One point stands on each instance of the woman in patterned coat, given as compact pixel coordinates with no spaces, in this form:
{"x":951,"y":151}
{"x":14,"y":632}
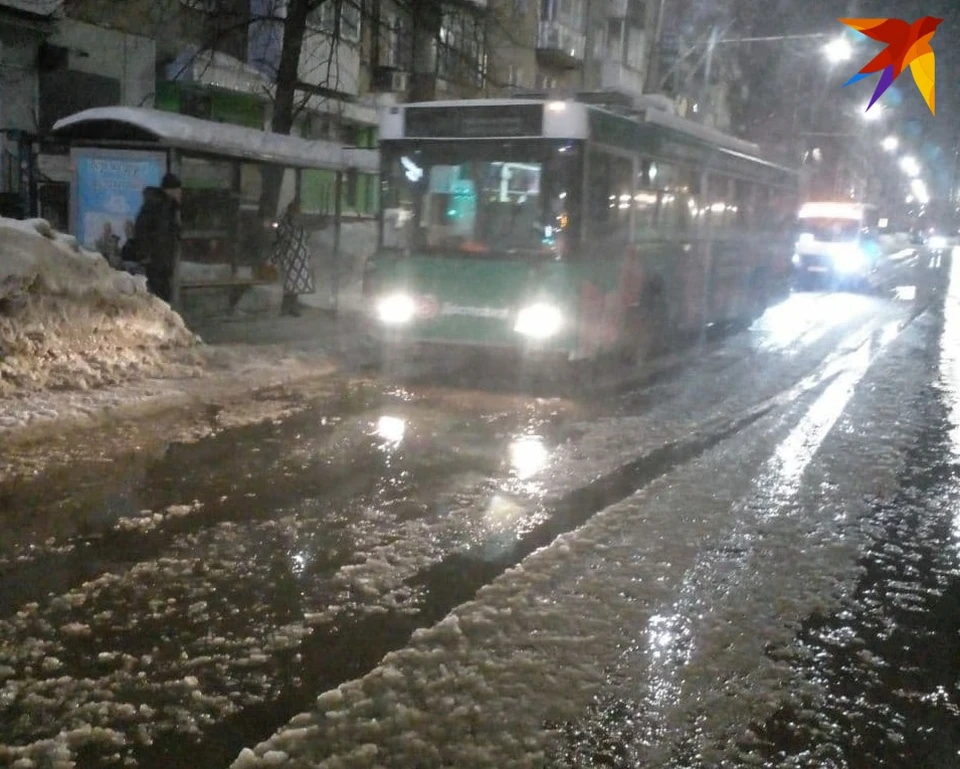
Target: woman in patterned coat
{"x":292,"y":258}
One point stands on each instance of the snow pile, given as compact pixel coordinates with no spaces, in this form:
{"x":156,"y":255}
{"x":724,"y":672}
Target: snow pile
{"x":68,"y":320}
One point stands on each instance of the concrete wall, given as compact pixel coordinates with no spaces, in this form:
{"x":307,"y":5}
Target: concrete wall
{"x":130,"y":59}
{"x":18,"y":78}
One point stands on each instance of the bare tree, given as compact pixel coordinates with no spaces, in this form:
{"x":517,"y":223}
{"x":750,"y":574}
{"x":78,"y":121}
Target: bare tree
{"x":295,"y":76}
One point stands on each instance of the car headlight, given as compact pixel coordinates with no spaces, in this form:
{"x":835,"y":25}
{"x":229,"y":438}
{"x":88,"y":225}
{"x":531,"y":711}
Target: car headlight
{"x":539,"y":321}
{"x":849,"y":259}
{"x":796,"y":260}
{"x":396,"y":309}
{"x":937,"y":242}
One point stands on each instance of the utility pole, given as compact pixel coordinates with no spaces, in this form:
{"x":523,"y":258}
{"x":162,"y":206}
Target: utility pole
{"x":652,"y":84}
{"x":708,"y":71}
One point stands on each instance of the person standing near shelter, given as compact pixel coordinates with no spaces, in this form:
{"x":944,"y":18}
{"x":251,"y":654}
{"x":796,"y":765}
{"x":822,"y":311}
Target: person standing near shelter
{"x":157,"y":235}
{"x":292,"y":257}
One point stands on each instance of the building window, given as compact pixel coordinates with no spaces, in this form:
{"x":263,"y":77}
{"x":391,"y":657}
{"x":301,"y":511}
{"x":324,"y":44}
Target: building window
{"x":547,"y":83}
{"x":599,"y":41}
{"x":396,"y":40}
{"x":567,"y":12}
{"x":636,"y":48}
{"x":637,"y":12}
{"x":614,"y":50}
{"x":325,"y":19}
{"x":462,"y":55}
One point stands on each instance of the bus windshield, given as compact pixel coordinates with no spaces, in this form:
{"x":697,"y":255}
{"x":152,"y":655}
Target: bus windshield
{"x":830,"y":230}
{"x":481,"y":197}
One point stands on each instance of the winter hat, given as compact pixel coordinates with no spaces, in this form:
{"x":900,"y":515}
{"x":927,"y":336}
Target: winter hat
{"x":170,"y":182}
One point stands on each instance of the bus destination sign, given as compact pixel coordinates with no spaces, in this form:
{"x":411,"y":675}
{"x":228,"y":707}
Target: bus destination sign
{"x":474,"y":122}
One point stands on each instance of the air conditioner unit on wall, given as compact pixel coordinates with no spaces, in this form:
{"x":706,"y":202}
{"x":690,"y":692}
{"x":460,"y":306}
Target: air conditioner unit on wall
{"x":398,"y":82}
{"x":389,"y":80}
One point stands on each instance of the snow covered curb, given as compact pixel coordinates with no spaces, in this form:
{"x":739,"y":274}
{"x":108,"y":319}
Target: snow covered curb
{"x":68,"y":321}
{"x":213,"y":376}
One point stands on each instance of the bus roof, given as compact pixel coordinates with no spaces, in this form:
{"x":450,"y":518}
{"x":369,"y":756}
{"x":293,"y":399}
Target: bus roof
{"x":559,"y":119}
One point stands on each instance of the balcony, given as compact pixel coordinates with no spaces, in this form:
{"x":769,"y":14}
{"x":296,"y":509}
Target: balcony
{"x":559,"y":45}
{"x":615,"y":76}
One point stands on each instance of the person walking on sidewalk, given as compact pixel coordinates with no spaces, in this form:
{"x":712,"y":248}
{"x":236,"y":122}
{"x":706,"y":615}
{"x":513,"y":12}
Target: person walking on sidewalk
{"x":157,"y":235}
{"x":291,"y":257}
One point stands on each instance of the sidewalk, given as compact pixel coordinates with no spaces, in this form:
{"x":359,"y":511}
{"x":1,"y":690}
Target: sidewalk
{"x":239,"y":358}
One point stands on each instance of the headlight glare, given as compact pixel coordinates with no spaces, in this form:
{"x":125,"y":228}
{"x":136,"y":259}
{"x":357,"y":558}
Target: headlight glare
{"x":539,"y":321}
{"x":849,"y":259}
{"x":937,"y":242}
{"x":396,"y":309}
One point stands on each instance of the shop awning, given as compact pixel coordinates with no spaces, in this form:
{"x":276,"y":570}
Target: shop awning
{"x":169,"y":129}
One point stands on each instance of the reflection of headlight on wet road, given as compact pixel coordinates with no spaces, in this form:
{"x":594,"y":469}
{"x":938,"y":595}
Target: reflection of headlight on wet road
{"x":391,"y":429}
{"x":849,"y":259}
{"x":528,"y":456}
{"x":539,"y":321}
{"x":396,"y":309}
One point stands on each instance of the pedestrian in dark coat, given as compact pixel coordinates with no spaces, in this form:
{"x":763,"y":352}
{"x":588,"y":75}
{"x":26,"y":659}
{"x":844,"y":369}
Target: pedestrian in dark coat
{"x":156,"y":234}
{"x":291,"y":257}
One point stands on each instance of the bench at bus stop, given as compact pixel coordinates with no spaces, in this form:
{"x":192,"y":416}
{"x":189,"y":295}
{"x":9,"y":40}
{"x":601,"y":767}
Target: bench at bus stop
{"x":235,"y":286}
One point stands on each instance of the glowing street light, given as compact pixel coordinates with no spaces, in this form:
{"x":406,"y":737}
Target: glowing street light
{"x":838,"y":50}
{"x":891,"y":143}
{"x":919,"y":190}
{"x":910,"y":166}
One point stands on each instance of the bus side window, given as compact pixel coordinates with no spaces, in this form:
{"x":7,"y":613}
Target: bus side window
{"x":687,"y":185}
{"x":645,"y":199}
{"x":609,"y":196}
{"x":743,"y":201}
{"x":763,"y":215}
{"x":658,"y":200}
{"x":716,"y":203}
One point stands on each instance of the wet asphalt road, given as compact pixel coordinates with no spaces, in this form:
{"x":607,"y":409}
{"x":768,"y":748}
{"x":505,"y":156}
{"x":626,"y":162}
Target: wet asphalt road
{"x":168,"y":611}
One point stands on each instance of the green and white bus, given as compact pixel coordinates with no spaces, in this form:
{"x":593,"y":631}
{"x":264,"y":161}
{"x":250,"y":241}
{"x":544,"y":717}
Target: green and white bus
{"x":569,"y":229}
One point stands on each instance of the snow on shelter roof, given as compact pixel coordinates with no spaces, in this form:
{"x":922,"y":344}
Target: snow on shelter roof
{"x":33,"y":7}
{"x":189,"y":133}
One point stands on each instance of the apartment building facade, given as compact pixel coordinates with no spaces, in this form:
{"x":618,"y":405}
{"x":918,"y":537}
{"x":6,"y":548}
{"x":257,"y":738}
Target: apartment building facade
{"x":218,"y":60}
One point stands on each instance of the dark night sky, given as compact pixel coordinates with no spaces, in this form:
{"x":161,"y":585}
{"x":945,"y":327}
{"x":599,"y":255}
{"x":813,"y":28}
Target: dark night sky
{"x":934,"y":138}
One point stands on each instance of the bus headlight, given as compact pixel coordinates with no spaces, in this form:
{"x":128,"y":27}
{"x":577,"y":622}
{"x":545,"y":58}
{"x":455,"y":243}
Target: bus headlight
{"x":539,"y":321}
{"x":396,"y":309}
{"x":849,"y":259}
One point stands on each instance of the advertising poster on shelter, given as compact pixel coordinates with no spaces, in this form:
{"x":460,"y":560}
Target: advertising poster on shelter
{"x":108,"y":193}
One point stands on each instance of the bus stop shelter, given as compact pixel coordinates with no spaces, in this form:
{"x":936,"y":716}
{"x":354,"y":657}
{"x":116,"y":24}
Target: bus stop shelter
{"x":118,"y":151}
